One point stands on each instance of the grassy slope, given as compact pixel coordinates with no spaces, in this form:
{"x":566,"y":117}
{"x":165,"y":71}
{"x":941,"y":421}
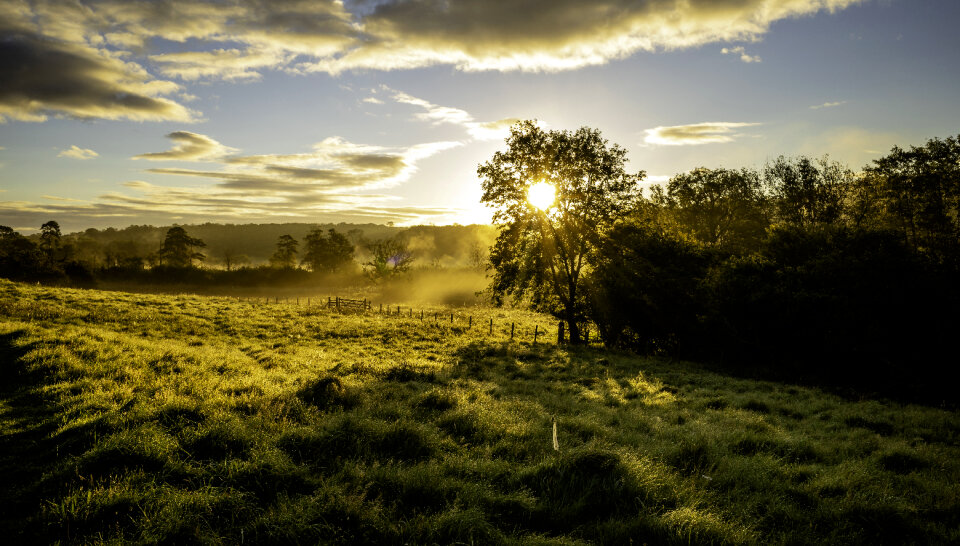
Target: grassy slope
{"x":186,"y":419}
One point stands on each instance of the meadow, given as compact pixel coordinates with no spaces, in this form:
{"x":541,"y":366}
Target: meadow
{"x":151,"y":418}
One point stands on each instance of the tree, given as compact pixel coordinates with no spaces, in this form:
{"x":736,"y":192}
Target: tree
{"x":51,"y":244}
{"x":178,"y":249}
{"x":544,"y":253}
{"x":232,"y":258}
{"x":720,"y":207}
{"x":646,"y":287}
{"x":329,"y":253}
{"x":389,"y":257}
{"x":286,"y":255}
{"x":918,"y":192}
{"x":20,"y":258}
{"x":478,"y":256}
{"x":808,"y":193}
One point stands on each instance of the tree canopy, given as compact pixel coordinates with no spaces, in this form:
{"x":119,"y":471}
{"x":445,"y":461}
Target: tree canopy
{"x":330,"y":253}
{"x":179,"y":248}
{"x":388,"y":257}
{"x":545,"y":254}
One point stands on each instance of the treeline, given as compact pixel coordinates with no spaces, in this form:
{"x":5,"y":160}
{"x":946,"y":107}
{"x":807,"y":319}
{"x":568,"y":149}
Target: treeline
{"x":802,"y":269}
{"x":253,"y":254}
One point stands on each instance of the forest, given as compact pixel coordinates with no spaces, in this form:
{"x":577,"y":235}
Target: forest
{"x":802,"y":269}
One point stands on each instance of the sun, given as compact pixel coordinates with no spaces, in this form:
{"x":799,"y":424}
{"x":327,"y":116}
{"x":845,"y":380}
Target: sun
{"x":541,"y":195}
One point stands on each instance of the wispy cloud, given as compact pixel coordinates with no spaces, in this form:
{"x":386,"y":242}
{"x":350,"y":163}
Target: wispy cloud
{"x":436,"y":114}
{"x":697,"y":133}
{"x":189,"y":147}
{"x":222,"y":64}
{"x":744,"y":56}
{"x":76,"y":152}
{"x":828,"y":105}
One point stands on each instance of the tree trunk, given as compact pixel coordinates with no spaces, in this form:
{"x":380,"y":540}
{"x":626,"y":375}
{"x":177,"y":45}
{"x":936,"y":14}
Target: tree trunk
{"x":574,"y":328}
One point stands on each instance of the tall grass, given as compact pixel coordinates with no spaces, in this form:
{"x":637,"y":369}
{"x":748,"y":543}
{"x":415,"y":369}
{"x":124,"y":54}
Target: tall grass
{"x":182,"y":419}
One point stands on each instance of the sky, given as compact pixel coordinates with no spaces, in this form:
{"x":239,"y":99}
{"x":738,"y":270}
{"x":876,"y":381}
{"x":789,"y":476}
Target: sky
{"x":121,"y":112}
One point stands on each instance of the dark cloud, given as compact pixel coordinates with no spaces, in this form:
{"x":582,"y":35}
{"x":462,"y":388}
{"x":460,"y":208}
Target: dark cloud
{"x":43,"y":77}
{"x":552,"y":34}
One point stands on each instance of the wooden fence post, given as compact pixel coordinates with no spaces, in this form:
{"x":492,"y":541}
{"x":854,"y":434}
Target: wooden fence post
{"x":512,"y":325}
{"x":560,"y":333}
{"x":451,"y":318}
{"x":536,"y":330}
{"x":491,"y":327}
{"x":470,"y":325}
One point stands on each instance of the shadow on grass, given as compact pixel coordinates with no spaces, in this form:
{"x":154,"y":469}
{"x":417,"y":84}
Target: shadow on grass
{"x":27,"y":421}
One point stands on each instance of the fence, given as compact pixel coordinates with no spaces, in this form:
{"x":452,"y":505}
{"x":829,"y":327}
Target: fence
{"x":465,"y":321}
{"x":344,"y":304}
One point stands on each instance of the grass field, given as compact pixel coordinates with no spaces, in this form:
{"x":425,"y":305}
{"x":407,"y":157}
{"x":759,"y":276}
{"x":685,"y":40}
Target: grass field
{"x":185,"y":419}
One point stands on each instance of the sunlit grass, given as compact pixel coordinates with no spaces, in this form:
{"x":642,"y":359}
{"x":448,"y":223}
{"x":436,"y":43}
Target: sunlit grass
{"x":155,"y":418}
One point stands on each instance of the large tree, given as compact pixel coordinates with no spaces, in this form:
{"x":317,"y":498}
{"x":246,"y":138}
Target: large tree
{"x":543,"y":250}
{"x":179,"y":248}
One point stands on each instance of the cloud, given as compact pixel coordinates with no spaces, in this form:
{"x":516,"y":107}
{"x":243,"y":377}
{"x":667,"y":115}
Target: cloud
{"x":490,"y":130}
{"x":336,"y":180}
{"x":828,"y":105}
{"x":739,"y":50}
{"x":44,"y":77}
{"x":76,"y":152}
{"x":160,"y":206}
{"x":223,"y":64}
{"x":92,"y":59}
{"x":334,"y":164}
{"x":372,"y":100}
{"x":697,"y":133}
{"x":551,"y":35}
{"x":189,"y":147}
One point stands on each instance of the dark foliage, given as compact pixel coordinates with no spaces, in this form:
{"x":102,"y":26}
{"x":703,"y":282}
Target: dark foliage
{"x":855,"y":285}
